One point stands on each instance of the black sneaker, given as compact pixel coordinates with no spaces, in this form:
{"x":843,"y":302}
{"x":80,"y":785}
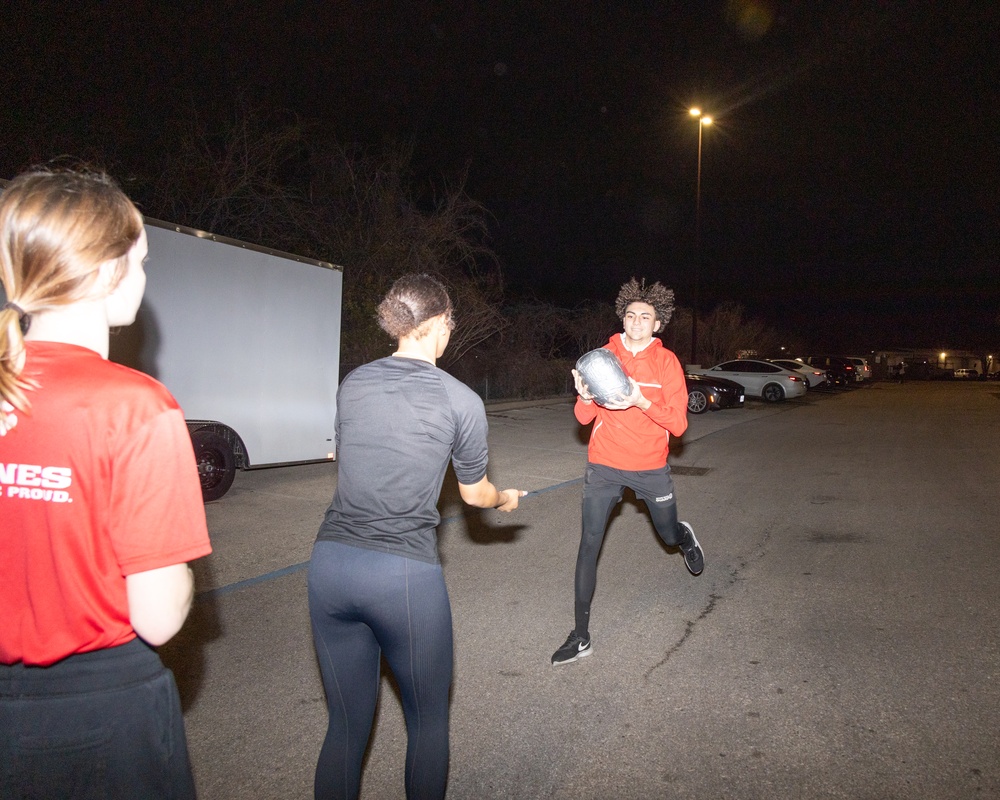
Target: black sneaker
{"x":574,"y":648}
{"x":694,"y":556}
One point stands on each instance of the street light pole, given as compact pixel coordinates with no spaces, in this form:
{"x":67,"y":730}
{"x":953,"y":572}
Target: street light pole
{"x":702,"y":122}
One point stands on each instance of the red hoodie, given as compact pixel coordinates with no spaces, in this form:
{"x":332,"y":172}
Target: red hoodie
{"x":634,"y":439}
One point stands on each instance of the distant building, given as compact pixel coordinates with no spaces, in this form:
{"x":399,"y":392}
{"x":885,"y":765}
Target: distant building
{"x":928,"y":363}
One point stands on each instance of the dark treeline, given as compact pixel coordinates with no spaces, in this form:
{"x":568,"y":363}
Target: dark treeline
{"x":287,"y":185}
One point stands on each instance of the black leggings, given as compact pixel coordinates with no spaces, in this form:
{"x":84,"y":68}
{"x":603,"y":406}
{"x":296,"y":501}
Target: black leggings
{"x":602,"y":491}
{"x":364,"y":603}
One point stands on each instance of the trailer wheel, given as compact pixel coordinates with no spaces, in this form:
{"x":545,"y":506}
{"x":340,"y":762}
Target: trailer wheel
{"x":216,"y":463}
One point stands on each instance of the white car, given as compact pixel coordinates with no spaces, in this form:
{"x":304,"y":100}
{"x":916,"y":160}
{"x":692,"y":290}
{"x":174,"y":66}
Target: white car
{"x":862,"y":370}
{"x":760,"y":378}
{"x":814,"y":375}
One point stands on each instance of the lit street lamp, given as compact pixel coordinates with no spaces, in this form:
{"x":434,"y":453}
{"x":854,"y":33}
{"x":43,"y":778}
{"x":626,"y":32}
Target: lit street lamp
{"x":703,"y":120}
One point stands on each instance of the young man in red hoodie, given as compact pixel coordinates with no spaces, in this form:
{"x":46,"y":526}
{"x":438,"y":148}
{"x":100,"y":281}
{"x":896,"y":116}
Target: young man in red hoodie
{"x":629,"y":446}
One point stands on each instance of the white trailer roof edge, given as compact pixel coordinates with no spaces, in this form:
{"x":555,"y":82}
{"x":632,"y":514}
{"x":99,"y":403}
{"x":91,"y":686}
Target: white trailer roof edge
{"x":214,"y":237}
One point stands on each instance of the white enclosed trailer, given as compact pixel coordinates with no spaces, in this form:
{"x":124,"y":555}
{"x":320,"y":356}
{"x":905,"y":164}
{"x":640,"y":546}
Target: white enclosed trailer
{"x":248,"y":341}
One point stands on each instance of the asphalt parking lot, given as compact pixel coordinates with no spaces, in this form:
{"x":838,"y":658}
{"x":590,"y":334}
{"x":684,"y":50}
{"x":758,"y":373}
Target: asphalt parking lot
{"x":843,"y":641}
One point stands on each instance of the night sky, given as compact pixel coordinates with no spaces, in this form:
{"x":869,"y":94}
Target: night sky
{"x":848,"y":186}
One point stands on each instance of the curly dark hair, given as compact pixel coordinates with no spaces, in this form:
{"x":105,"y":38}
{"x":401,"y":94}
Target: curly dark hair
{"x":412,"y":300}
{"x":657,"y":295}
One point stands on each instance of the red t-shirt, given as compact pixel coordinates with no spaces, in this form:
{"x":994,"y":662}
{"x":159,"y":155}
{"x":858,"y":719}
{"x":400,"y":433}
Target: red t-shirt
{"x":97,"y":481}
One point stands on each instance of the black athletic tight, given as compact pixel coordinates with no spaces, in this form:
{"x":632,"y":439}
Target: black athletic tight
{"x":602,"y":490}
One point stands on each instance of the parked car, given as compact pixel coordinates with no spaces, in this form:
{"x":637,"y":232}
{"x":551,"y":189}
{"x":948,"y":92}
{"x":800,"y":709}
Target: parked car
{"x":711,"y":393}
{"x":842,"y":371}
{"x":967,"y":373}
{"x":759,"y":378}
{"x":814,"y":376}
{"x":864,"y":370}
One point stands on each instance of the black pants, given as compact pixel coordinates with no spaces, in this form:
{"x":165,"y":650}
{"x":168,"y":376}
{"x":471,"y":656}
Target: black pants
{"x":105,"y":724}
{"x":365,"y":603}
{"x":602,"y":491}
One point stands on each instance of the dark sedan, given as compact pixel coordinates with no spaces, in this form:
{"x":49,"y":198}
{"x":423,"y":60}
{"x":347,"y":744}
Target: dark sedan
{"x":708,"y":393}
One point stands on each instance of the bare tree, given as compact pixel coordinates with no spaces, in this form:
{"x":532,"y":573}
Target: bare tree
{"x":591,"y":324}
{"x":277,"y":183}
{"x":379,"y":231}
{"x":239,"y":181}
{"x":530,"y":357}
{"x":726,"y":331}
{"x":677,"y":335}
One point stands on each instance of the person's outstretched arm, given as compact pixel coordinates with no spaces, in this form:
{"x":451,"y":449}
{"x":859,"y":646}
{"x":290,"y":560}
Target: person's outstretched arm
{"x":485,"y":495}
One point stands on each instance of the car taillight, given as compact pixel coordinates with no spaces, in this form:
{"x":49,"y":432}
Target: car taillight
{"x":794,"y":378}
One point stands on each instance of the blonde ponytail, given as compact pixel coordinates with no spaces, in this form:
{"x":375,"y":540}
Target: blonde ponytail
{"x":56,"y":229}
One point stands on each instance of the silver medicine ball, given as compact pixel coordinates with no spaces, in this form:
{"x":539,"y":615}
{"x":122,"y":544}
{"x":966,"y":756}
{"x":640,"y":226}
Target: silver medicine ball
{"x":604,"y":375}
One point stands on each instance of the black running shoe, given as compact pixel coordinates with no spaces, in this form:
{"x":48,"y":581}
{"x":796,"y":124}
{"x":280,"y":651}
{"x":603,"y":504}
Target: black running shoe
{"x":574,"y":648}
{"x":694,"y":556}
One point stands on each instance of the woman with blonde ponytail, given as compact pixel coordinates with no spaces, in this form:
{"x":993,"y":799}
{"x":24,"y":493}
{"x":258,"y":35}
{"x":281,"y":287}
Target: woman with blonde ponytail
{"x":100,"y":506}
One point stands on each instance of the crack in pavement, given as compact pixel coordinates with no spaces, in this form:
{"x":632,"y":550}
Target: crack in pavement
{"x":688,"y":630}
{"x":713,"y":599}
